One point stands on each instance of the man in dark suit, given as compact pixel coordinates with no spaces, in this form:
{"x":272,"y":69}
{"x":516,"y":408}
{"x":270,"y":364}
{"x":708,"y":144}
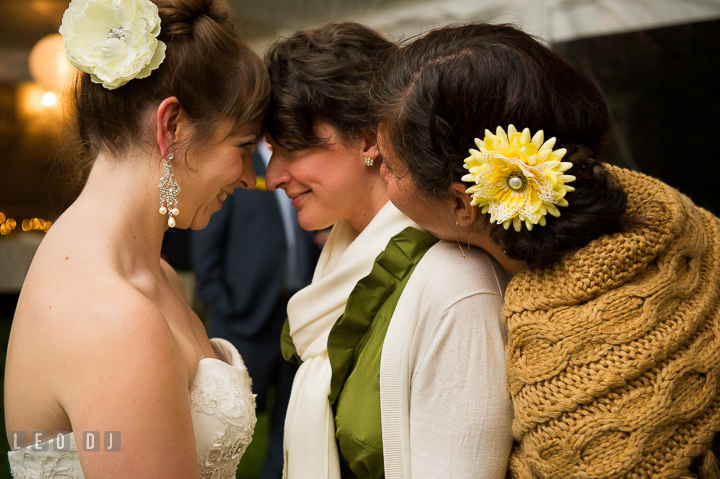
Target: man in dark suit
{"x":249,"y":260}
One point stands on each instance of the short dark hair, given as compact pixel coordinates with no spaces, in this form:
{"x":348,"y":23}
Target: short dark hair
{"x":323,"y":74}
{"x":207,"y":68}
{"x":443,"y":90}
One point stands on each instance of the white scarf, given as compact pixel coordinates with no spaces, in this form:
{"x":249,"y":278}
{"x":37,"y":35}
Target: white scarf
{"x":310,"y":447}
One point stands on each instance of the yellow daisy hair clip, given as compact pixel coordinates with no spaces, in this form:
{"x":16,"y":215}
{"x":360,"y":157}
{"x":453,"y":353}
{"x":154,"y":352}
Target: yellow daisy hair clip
{"x":518,"y":179}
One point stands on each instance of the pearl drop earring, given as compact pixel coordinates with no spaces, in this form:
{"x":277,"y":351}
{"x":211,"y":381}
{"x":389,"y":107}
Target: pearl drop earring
{"x":169,"y":190}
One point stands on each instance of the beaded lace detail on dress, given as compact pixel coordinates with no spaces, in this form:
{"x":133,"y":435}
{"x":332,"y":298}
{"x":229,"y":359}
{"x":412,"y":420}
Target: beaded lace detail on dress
{"x":52,"y":466}
{"x":228,"y":400}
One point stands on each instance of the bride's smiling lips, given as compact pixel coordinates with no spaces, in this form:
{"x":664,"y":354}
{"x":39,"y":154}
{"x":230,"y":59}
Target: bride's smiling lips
{"x":298,"y":197}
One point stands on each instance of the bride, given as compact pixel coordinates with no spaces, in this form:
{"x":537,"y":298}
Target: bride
{"x":109,"y":372}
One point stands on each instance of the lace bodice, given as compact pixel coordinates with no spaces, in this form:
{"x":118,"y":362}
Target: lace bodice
{"x":223,"y":415}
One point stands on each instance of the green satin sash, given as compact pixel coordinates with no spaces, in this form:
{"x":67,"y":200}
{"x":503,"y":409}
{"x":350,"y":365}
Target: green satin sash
{"x":355,"y":346}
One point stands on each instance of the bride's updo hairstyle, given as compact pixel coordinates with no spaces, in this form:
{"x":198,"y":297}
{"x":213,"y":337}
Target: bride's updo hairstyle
{"x":443,"y":90}
{"x":213,"y":75}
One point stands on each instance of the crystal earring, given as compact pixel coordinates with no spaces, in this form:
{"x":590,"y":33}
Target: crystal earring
{"x":169,"y":190}
{"x":369,"y":161}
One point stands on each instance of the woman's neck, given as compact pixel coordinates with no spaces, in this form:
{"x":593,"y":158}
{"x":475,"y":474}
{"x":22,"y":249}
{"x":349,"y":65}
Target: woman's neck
{"x":369,"y":205}
{"x":121,"y":200}
{"x":482,"y":240}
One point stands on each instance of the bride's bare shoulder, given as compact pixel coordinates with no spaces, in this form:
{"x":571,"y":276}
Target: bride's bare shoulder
{"x":86,"y":307}
{"x":75,"y":303}
{"x":93,"y":329}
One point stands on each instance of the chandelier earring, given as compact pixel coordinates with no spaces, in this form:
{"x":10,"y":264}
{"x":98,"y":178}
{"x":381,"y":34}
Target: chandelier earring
{"x":369,"y":161}
{"x":169,"y":190}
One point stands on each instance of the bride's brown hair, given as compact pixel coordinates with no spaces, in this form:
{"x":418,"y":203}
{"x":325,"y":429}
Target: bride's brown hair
{"x":207,"y":68}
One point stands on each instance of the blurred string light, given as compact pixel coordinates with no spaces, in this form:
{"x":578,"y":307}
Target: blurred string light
{"x":34,"y":224}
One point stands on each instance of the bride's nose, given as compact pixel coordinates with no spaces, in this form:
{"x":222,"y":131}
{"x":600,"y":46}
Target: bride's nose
{"x":247,"y":178}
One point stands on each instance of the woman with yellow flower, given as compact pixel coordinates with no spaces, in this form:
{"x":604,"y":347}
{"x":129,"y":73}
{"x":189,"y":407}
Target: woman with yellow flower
{"x":613,"y":357}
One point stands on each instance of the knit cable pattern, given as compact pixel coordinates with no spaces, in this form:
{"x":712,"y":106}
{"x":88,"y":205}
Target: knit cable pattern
{"x":613,"y":358}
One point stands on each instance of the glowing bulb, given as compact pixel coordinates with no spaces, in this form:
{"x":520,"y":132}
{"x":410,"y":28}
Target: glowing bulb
{"x":49,"y":99}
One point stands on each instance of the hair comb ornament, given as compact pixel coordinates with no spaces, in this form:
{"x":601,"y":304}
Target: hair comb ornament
{"x":517,"y":179}
{"x":115,"y":41}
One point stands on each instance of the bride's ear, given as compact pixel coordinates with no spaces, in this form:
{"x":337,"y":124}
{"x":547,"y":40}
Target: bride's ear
{"x":465,"y":213}
{"x":170,"y":124}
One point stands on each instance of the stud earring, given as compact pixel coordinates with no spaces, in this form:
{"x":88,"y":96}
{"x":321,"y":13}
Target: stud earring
{"x":369,"y":161}
{"x":169,"y":190}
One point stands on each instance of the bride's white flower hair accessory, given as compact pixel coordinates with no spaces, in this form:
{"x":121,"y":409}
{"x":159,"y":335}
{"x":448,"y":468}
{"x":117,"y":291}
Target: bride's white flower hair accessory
{"x":115,"y":41}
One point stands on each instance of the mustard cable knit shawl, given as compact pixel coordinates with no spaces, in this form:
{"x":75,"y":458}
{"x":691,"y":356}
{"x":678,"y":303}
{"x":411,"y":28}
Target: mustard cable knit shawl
{"x":613,"y":359}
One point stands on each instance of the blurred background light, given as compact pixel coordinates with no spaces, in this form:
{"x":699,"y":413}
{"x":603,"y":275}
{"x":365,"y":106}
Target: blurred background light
{"x":49,"y":99}
{"x":48,"y":64}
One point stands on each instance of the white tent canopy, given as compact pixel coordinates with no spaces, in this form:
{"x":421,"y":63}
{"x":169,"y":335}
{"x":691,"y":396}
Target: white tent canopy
{"x":553,"y":20}
{"x":264,"y":20}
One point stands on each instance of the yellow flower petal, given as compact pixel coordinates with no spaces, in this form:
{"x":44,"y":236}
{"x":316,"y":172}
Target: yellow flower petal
{"x":557,"y":154}
{"x":548,"y":144}
{"x":552,"y":210}
{"x":564,"y":166}
{"x":538,"y":139}
{"x":526,"y":136}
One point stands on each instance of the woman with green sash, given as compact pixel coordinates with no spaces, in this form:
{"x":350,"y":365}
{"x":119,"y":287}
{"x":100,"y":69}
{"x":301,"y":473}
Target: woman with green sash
{"x":613,"y":357}
{"x":401,"y":357}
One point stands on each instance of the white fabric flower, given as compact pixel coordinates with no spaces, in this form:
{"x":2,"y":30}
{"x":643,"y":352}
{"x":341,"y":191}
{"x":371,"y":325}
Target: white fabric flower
{"x":114,"y":41}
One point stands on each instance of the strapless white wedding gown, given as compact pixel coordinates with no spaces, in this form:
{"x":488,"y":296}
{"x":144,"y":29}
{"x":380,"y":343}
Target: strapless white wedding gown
{"x":223,"y":415}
